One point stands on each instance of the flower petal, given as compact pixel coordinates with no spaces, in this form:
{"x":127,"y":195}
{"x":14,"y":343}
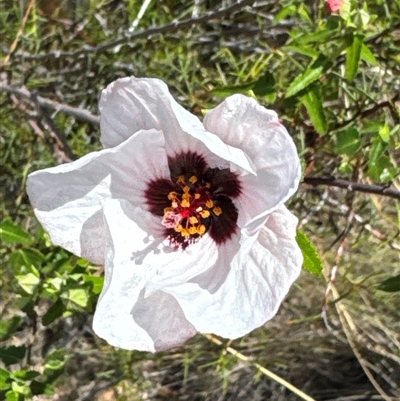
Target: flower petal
{"x":131,"y":104}
{"x":241,"y":122}
{"x":67,"y":199}
{"x":249,"y":292}
{"x":134,"y":310}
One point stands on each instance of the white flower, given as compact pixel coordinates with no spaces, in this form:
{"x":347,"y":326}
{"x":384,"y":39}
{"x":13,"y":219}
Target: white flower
{"x":188,"y":219}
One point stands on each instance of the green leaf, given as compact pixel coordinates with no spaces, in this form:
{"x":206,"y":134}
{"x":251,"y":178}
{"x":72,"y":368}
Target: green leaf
{"x":13,"y":396}
{"x":314,"y":72}
{"x":12,"y":354}
{"x":96,"y":281}
{"x":4,"y":379}
{"x":76,"y":298}
{"x":380,"y":167}
{"x":55,"y":311}
{"x":384,"y":133}
{"x":28,"y":282}
{"x":312,"y":100}
{"x":41,"y":388}
{"x":353,"y":54}
{"x":368,"y":56}
{"x":312,"y":261}
{"x":26,"y":257}
{"x":13,"y":234}
{"x":392,"y":284}
{"x":348,"y":141}
{"x":8,"y":327}
{"x":26,"y":374}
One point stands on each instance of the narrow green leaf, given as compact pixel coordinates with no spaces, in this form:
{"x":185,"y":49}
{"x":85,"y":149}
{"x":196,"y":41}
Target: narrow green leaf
{"x":312,"y":100}
{"x":312,"y":260}
{"x":392,"y":284}
{"x":12,"y":354}
{"x":368,"y":56}
{"x":314,"y":72}
{"x":348,"y":141}
{"x":353,"y":55}
{"x":55,"y":311}
{"x":384,"y":133}
{"x":8,"y":327}
{"x":14,"y":234}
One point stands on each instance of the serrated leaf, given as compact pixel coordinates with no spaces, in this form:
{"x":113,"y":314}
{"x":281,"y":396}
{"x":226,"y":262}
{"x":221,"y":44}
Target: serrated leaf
{"x":314,"y":72}
{"x":312,"y":100}
{"x":353,"y":54}
{"x":8,"y":327}
{"x":55,"y":311}
{"x":14,"y":234}
{"x":392,"y":284}
{"x":12,"y":354}
{"x":348,"y":141}
{"x":312,"y":261}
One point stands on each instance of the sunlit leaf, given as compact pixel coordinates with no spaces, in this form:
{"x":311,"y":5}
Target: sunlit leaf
{"x":314,"y":72}
{"x":353,"y":54}
{"x":312,"y":260}
{"x":28,"y":282}
{"x":312,"y":100}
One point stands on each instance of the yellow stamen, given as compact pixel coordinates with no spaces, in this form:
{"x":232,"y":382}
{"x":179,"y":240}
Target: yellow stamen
{"x":201,"y":229}
{"x":217,"y":210}
{"x":172,"y":195}
{"x":185,"y":203}
{"x":174,"y":204}
{"x":178,"y":228}
{"x":192,"y":230}
{"x":193,"y":179}
{"x":186,"y":197}
{"x":204,"y":214}
{"x":181,"y":180}
{"x":196,"y":196}
{"x":208,"y":185}
{"x":193,"y":220}
{"x":210,"y":203}
{"x":168,"y":209}
{"x":186,"y":189}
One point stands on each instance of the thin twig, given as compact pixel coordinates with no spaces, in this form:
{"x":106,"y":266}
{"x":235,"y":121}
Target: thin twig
{"x":384,"y":190}
{"x":263,"y":370}
{"x":79,"y":114}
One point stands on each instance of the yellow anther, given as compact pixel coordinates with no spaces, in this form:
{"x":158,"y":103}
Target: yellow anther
{"x":186,"y":189}
{"x":174,"y":204}
{"x":181,"y":180}
{"x":172,"y":195}
{"x":193,"y":220}
{"x":185,"y":232}
{"x":193,"y":179}
{"x":192,"y":230}
{"x":217,"y":210}
{"x":210,"y":203}
{"x":201,"y":229}
{"x":168,"y":209}
{"x":208,"y":185}
{"x":178,"y":228}
{"x":196,"y":196}
{"x":185,"y":203}
{"x":186,"y":197}
{"x":204,"y":214}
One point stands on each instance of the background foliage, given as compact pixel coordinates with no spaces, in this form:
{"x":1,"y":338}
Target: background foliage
{"x":334,"y":81}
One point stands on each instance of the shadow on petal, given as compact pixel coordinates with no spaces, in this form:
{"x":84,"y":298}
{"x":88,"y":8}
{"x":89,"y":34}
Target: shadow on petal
{"x":163,"y":319}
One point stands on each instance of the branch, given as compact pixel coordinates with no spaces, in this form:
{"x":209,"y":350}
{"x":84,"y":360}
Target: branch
{"x":144,"y":34}
{"x":384,"y":189}
{"x":78,"y":113}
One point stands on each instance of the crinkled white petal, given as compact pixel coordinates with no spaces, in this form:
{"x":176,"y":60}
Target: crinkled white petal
{"x":241,"y":122}
{"x":251,"y":290}
{"x":131,"y":104}
{"x":67,"y":199}
{"x":135,"y":310}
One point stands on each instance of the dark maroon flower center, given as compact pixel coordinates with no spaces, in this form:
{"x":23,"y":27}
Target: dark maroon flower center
{"x":196,"y":200}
